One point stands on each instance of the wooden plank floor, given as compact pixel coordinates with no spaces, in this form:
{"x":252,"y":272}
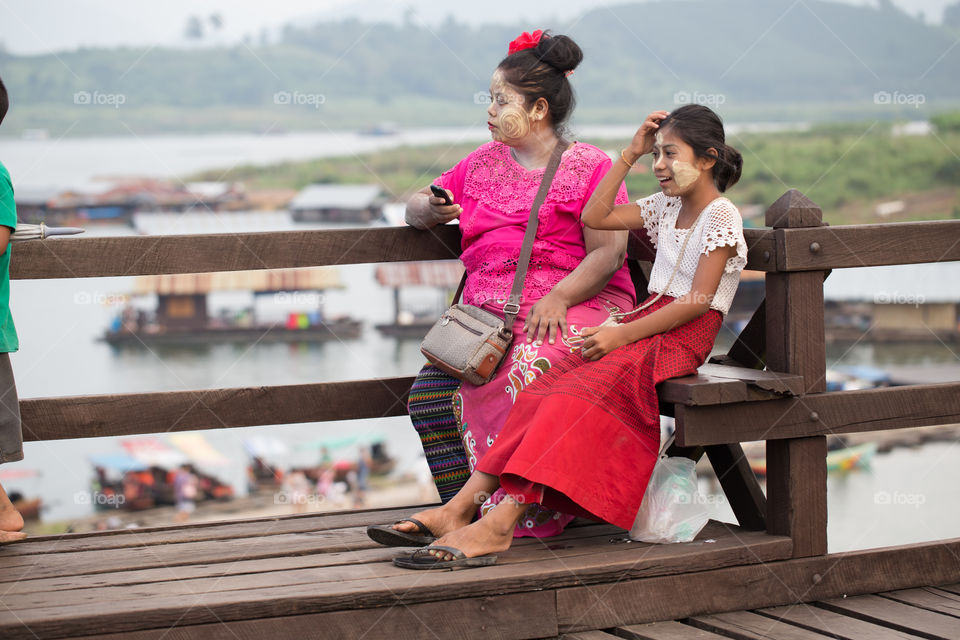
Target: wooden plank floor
{"x":290,"y":576}
{"x":925,"y":612}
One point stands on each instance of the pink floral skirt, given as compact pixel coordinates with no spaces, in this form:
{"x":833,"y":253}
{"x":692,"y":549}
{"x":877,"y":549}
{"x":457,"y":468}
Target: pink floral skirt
{"x":481,"y":411}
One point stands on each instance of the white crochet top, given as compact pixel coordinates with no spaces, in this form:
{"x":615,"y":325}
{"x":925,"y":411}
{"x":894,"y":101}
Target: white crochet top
{"x":719,"y":226}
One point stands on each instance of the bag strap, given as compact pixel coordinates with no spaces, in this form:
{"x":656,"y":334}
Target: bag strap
{"x":463,"y":283}
{"x":512,"y":306}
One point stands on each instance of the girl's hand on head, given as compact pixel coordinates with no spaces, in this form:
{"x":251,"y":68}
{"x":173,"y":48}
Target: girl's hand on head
{"x":599,"y":341}
{"x":443,"y":213}
{"x":645,"y":136}
{"x":547,"y":318}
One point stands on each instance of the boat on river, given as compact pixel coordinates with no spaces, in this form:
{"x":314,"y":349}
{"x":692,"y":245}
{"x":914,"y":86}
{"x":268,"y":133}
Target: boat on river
{"x":839,"y":460}
{"x":182,"y":313}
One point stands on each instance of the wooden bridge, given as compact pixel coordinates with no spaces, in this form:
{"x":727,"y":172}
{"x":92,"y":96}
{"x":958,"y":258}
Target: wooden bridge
{"x":319,"y":575}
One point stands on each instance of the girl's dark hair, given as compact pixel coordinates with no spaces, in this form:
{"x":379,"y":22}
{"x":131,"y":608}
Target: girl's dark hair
{"x":4,"y":101}
{"x":702,"y":129}
{"x":541,"y":72}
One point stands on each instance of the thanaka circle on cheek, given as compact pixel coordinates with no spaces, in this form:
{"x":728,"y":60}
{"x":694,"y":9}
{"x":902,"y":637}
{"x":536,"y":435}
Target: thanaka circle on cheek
{"x":684,"y":173}
{"x":513,"y":122}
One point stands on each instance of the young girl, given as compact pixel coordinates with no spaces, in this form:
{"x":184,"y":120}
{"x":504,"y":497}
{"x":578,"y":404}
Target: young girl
{"x":584,"y":438}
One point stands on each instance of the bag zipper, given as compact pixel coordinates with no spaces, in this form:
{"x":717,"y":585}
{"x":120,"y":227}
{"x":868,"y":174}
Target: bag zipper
{"x":470,"y":329}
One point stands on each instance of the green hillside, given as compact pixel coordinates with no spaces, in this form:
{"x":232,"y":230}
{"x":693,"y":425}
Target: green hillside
{"x":757,"y":59}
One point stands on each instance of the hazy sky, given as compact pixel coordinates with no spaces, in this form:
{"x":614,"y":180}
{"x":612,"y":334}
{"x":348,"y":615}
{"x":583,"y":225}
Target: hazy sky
{"x":42,"y":26}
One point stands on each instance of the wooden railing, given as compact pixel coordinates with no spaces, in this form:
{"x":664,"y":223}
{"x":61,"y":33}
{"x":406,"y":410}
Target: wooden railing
{"x":786,"y":334}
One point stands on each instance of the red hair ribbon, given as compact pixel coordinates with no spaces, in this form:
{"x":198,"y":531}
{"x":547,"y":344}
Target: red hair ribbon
{"x":525,"y":41}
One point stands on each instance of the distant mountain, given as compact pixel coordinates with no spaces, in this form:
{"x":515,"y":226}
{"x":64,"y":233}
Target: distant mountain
{"x":782,"y":58}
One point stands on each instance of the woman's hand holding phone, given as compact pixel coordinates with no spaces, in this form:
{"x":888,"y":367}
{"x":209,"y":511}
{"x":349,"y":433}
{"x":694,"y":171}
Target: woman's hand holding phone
{"x":442,"y":206}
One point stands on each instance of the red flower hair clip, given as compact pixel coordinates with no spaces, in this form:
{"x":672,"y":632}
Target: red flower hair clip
{"x":525,"y":41}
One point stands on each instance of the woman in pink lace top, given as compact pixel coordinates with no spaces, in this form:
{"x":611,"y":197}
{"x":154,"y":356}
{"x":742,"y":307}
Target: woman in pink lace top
{"x":576,"y":274}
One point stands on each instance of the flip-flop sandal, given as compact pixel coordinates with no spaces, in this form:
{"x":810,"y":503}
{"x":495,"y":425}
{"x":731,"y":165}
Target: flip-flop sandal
{"x":421,"y":559}
{"x":387,"y":535}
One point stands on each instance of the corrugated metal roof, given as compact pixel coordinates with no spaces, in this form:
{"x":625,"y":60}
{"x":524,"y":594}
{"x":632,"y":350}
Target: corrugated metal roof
{"x":339,"y":196}
{"x":429,"y":273}
{"x":305,"y":279}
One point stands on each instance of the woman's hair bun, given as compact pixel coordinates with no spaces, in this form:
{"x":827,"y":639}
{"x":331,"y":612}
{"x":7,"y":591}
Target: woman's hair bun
{"x":560,"y":52}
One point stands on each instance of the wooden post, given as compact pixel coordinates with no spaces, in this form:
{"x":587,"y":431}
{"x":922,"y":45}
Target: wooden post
{"x":797,"y":468}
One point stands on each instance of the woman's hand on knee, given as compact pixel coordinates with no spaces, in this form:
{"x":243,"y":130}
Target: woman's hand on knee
{"x":546,"y":319}
{"x":599,"y":341}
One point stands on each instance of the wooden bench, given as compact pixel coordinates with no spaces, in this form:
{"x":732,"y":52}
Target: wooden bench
{"x":122,"y":414}
{"x":297,"y":574}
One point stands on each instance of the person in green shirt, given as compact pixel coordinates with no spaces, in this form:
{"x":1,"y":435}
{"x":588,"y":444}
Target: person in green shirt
{"x":11,"y":436}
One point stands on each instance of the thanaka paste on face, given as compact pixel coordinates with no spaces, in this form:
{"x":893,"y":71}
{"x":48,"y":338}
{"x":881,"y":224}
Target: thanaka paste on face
{"x":684,"y":173}
{"x":497,"y":83}
{"x":512,"y":121}
{"x":659,"y":140}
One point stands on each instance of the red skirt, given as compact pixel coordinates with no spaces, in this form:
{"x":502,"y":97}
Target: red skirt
{"x":585,"y":436}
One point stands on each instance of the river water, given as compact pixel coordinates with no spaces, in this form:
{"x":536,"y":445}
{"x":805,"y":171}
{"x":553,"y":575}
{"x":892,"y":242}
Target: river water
{"x":909,"y":495}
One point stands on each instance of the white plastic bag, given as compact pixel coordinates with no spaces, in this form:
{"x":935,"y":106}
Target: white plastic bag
{"x":672,"y":509}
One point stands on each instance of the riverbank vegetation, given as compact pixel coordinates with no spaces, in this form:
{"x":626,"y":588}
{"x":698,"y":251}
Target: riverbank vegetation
{"x":848,"y":169}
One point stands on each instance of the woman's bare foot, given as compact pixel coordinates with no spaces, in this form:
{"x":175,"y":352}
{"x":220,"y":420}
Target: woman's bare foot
{"x":490,"y":534}
{"x":11,"y":536}
{"x":11,"y":522}
{"x":486,"y":535}
{"x":440,"y":521}
{"x":459,"y":511}
{"x":477,"y":539}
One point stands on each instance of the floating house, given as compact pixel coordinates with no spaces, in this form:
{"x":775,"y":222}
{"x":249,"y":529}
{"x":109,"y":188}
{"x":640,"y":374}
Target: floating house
{"x":35,"y":203}
{"x":182,"y":314}
{"x":357,"y":203}
{"x":114,"y":201}
{"x":917,"y":302}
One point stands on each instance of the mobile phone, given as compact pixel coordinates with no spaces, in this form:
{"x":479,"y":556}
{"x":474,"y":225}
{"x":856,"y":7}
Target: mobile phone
{"x":440,"y":192}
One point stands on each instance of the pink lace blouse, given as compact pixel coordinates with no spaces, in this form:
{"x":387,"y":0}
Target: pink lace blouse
{"x":496,"y":193}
